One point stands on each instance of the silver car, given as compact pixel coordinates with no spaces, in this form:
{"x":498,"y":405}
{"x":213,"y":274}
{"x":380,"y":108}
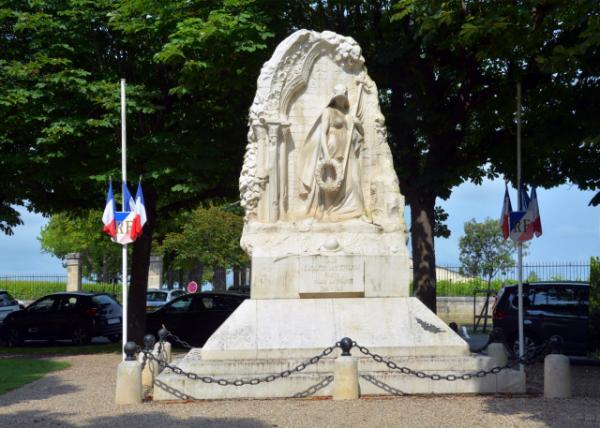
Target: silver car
{"x":7,"y":305}
{"x":155,"y":298}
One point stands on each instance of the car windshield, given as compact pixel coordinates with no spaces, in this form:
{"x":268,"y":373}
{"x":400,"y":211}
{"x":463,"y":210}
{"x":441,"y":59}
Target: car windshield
{"x":103,"y":300}
{"x":6,"y":299}
{"x":156,"y":296}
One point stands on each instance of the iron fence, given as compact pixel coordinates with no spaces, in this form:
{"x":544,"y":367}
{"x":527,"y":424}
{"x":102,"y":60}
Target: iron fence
{"x":453,"y":281}
{"x":31,"y":287}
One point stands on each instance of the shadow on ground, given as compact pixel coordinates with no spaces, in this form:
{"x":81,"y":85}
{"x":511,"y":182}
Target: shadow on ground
{"x":36,"y":390}
{"x":147,"y":419}
{"x":582,"y":410}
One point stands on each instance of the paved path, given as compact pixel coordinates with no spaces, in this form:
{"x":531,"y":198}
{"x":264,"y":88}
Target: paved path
{"x":82,"y":396}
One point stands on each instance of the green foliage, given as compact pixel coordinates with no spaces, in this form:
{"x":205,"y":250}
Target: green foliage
{"x":594,"y":308}
{"x":483,"y":250}
{"x":15,"y":373}
{"x":32,"y":290}
{"x":209,"y":237}
{"x":190,"y":66}
{"x":60,"y":350}
{"x":67,"y":233}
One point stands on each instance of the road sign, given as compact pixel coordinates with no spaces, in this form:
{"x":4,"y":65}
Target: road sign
{"x":192,"y":287}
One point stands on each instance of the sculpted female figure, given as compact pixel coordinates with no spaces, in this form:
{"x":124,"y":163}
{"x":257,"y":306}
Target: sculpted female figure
{"x":329,"y":164}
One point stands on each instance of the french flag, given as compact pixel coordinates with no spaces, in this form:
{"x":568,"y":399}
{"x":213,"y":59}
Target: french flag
{"x":535,"y":213}
{"x":108,"y":217}
{"x":140,"y":214}
{"x":128,"y":201}
{"x":505,"y":214}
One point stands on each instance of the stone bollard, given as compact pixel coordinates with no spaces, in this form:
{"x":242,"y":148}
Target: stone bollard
{"x":345,"y":376}
{"x":163,"y":333}
{"x":497,"y":349}
{"x":150,"y":369}
{"x":557,"y":372}
{"x":129,"y":378}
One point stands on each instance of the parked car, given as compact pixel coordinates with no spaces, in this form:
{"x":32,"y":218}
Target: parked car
{"x":77,"y":316}
{"x":7,"y":305}
{"x":549,"y":308}
{"x":155,"y":298}
{"x":194,"y":317}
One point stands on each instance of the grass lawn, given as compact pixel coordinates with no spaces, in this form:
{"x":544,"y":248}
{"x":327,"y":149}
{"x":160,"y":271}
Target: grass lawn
{"x":34,"y":350}
{"x":15,"y":373}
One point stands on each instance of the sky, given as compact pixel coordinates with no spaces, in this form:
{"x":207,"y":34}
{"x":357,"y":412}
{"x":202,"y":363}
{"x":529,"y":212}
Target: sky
{"x":571,"y":229}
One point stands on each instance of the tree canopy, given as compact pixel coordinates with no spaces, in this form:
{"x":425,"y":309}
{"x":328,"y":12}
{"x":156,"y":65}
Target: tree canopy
{"x":209,"y":236}
{"x":66,"y":233}
{"x":483,"y":250}
{"x":446,"y":72}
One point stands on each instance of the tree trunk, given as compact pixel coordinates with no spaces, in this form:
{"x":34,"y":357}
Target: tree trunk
{"x":140,"y":263}
{"x":423,"y":254}
{"x":219,"y":279}
{"x":237,"y":280}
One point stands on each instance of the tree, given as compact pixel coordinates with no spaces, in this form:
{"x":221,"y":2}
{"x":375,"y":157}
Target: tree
{"x":483,"y":250}
{"x":190,"y":67}
{"x":66,"y":233}
{"x":209,"y":238}
{"x":447,"y":72}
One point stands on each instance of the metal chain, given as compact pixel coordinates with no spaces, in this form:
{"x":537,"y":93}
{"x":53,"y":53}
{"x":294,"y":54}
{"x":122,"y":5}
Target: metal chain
{"x":182,"y":342}
{"x":240,"y":382}
{"x":448,"y":377}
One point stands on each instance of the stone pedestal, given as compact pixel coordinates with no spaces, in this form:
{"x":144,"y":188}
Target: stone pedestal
{"x":350,"y":259}
{"x":74,"y":271}
{"x":155,"y":272}
{"x":264,"y":337}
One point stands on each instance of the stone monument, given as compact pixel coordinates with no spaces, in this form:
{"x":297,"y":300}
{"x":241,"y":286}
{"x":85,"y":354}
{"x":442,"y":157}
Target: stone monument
{"x":324,"y":228}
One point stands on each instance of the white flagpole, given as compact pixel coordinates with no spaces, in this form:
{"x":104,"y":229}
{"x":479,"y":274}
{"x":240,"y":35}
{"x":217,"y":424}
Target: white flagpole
{"x":519,"y":244}
{"x":124,"y":178}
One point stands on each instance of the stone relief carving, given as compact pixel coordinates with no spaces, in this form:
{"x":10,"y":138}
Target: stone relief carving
{"x":329,"y":163}
{"x":313,"y":155}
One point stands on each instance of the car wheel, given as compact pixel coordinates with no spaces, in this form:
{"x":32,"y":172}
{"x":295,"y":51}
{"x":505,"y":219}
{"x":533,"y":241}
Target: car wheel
{"x":114,"y":338}
{"x":81,"y":336}
{"x":14,"y":337}
{"x":531,"y":344}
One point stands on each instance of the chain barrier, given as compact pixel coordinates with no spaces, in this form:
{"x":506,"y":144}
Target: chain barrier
{"x":181,"y":342}
{"x":345,"y":344}
{"x":526,"y":360}
{"x":239,"y":382}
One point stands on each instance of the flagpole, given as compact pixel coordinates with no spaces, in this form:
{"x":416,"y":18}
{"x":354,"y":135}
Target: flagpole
{"x":519,"y":244}
{"x":124,"y":174}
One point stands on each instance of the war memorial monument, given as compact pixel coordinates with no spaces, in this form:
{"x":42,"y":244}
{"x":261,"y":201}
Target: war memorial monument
{"x":325,"y":231}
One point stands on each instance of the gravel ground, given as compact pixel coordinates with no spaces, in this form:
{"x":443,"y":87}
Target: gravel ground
{"x":82,"y":396}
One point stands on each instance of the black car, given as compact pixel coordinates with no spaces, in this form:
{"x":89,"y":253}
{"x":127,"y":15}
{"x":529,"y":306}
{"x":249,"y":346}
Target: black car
{"x":194,"y":317}
{"x":549,"y":308}
{"x":77,"y":316}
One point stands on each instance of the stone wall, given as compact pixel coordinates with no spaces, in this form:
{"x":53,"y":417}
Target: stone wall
{"x":459,"y":309}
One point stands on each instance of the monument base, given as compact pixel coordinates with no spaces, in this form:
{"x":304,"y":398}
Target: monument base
{"x":264,"y":337}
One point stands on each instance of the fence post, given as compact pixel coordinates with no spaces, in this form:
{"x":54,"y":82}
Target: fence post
{"x":129,"y":378}
{"x":74,"y":268}
{"x":557,"y":372}
{"x":150,"y":368}
{"x":497,"y":348}
{"x":345,"y":375}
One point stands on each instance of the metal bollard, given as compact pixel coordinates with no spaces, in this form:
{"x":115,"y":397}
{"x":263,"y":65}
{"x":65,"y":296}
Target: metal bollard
{"x":557,"y":372}
{"x":345,"y":376}
{"x":150,"y":369}
{"x":129,"y":378}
